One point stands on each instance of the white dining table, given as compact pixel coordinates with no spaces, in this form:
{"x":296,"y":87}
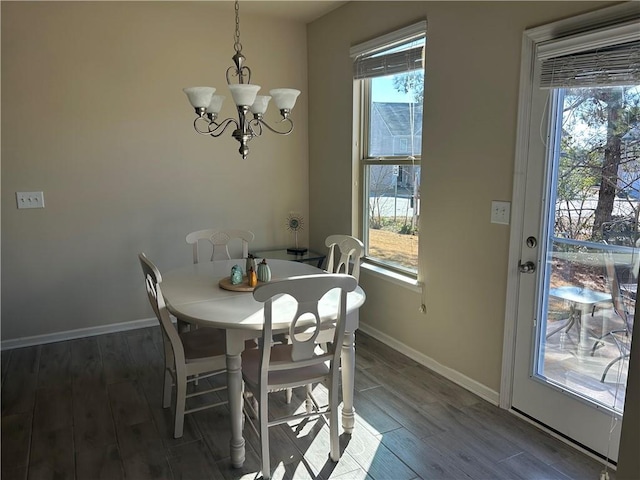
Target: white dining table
{"x":193,"y":294}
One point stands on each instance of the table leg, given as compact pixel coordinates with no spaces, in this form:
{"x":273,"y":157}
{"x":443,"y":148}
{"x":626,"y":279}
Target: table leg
{"x":583,"y":333}
{"x":235,"y":344}
{"x":566,"y":326}
{"x":348,"y":365}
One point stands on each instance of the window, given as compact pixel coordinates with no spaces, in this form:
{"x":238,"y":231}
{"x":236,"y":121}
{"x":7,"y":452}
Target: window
{"x":389,"y":91}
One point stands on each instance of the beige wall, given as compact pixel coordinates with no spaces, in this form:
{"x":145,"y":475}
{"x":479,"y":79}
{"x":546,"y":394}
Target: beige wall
{"x":93,"y":114}
{"x":471,"y":102}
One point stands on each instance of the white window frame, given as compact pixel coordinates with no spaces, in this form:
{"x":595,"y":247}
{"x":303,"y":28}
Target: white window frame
{"x":361,"y":159}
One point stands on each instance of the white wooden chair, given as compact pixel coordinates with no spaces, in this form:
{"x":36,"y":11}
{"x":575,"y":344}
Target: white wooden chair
{"x":351,"y":251}
{"x":275,"y":366}
{"x":219,"y":240}
{"x":188,"y":356}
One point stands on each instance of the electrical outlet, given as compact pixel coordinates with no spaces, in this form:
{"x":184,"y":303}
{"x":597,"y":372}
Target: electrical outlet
{"x":30,"y":199}
{"x":500,"y":212}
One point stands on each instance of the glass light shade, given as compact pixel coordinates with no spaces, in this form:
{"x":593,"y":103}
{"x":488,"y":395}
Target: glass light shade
{"x":260,"y":104}
{"x":199,"y":97}
{"x":244,"y":93}
{"x":285,"y":97}
{"x":216,"y":104}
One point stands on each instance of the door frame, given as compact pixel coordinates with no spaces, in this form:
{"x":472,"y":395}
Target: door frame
{"x":530,"y":39}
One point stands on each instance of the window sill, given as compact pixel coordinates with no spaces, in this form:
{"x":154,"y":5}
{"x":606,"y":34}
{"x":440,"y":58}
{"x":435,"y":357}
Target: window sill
{"x":406,"y":281}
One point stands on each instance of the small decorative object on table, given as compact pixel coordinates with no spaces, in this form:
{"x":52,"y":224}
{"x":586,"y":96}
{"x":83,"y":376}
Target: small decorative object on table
{"x":236,"y":275}
{"x":251,"y":263}
{"x":264,"y":271}
{"x":252,"y":277}
{"x":295,"y":222}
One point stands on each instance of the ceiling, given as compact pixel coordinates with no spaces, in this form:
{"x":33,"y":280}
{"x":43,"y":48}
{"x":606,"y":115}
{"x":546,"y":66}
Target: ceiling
{"x":299,"y":10}
{"x":304,"y":11}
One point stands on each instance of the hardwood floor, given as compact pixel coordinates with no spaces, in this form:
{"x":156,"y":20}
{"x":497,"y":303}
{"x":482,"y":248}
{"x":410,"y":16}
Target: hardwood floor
{"x":91,"y":409}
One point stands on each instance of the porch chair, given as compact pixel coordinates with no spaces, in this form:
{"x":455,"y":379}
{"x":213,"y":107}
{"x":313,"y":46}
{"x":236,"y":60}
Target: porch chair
{"x":622,"y":336}
{"x":275,"y":366}
{"x":624,"y":232}
{"x":188,"y":356}
{"x":219,"y":240}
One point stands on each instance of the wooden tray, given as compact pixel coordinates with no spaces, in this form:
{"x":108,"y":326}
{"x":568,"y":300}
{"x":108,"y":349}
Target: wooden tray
{"x":226,"y":284}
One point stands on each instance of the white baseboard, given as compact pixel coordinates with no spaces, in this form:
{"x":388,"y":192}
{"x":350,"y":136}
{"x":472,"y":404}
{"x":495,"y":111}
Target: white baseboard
{"x":78,"y":333}
{"x":456,"y":377}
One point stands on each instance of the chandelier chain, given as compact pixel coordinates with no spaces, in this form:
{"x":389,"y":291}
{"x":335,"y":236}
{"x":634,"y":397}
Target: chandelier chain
{"x":237,"y":45}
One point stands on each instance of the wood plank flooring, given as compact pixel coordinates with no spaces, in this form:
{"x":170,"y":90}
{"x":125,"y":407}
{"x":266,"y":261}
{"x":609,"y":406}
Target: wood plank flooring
{"x":91,"y":409}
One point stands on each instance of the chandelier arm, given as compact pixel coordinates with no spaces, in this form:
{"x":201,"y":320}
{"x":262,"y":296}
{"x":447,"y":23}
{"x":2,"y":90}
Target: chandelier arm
{"x":287,"y":132}
{"x":252,"y":127}
{"x":195,"y":126}
{"x":221,"y":127}
{"x":217,"y":126}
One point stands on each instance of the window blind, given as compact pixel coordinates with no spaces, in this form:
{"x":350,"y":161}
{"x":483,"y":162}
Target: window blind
{"x":388,"y":64}
{"x":385,"y":56}
{"x":606,"y":57}
{"x":612,"y":66}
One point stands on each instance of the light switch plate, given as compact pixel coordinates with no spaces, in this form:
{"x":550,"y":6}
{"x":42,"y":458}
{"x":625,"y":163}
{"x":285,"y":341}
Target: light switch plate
{"x":30,"y":199}
{"x":500,"y":212}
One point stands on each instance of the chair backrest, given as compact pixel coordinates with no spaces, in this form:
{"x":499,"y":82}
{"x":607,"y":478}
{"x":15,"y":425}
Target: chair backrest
{"x":219,"y":240}
{"x":618,"y":300}
{"x":620,"y":232}
{"x":307,"y":291}
{"x":173,"y":349}
{"x":351,"y":252}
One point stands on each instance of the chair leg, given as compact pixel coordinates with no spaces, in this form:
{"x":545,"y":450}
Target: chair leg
{"x":308,"y":402}
{"x":289,"y":394}
{"x":183,"y":326}
{"x":254,"y":402}
{"x":264,"y":434}
{"x":168,"y":387}
{"x":181,"y":399}
{"x":611,"y":364}
{"x":566,"y":326}
{"x":598,"y":343}
{"x":333,"y":420}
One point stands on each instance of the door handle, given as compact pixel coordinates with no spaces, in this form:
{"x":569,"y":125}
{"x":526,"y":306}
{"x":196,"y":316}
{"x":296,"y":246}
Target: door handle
{"x":527,"y":267}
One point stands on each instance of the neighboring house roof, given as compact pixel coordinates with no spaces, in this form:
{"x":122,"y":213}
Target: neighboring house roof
{"x":396,"y":117}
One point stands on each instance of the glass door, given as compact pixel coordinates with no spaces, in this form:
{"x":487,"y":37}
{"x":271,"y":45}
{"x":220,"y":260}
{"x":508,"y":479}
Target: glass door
{"x":577,"y":301}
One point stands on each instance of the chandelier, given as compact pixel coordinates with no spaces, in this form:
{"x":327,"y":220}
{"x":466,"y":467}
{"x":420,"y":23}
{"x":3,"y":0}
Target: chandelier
{"x":251,"y":106}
